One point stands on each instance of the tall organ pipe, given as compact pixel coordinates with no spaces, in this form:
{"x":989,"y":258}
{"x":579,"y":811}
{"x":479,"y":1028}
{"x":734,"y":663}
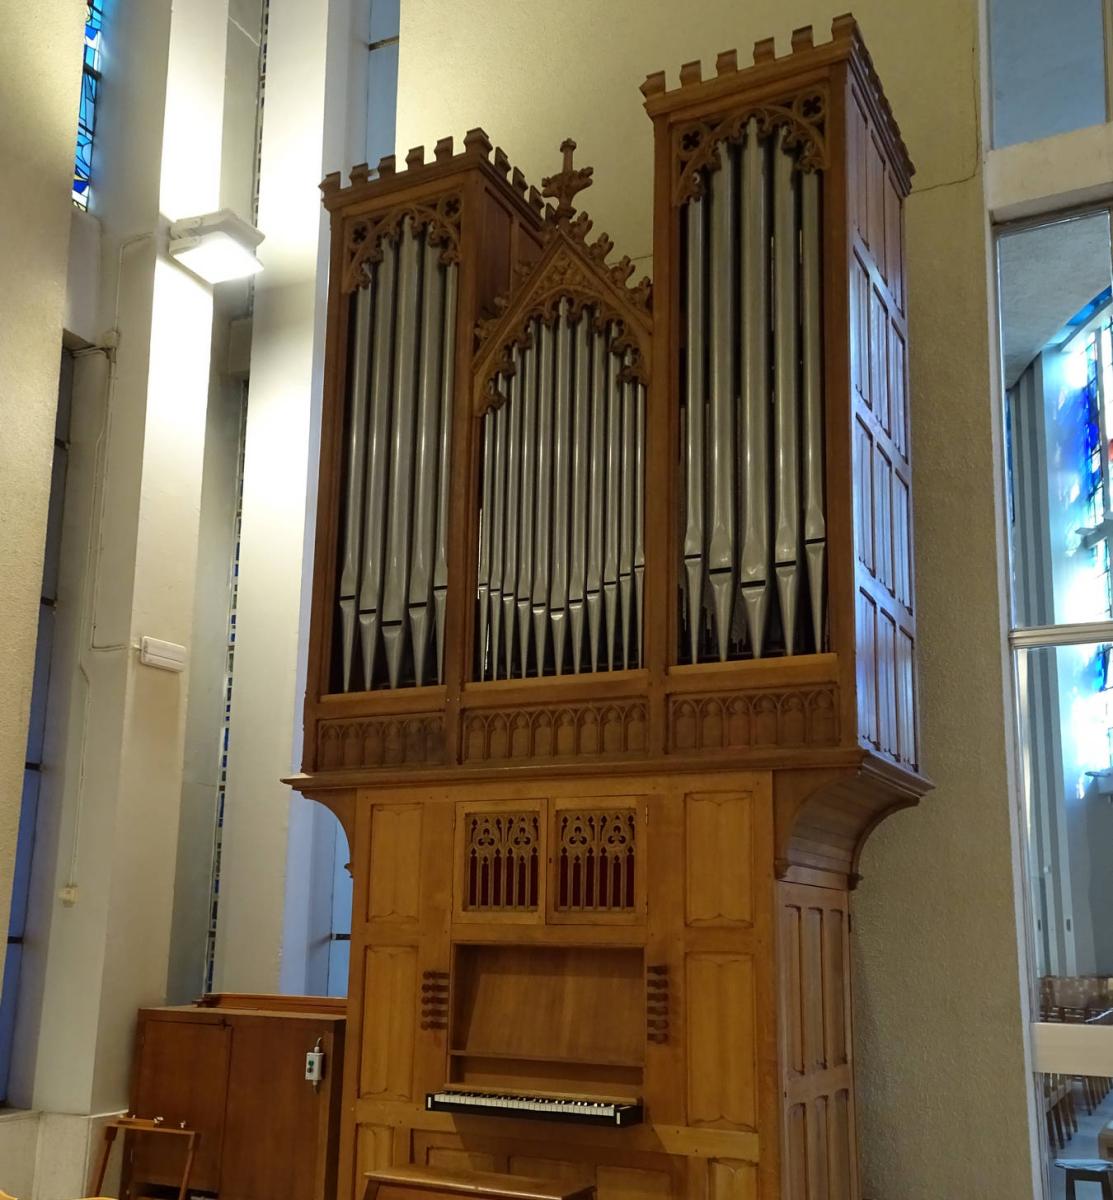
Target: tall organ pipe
{"x":440,"y":567}
{"x":486,"y":520}
{"x":815,"y":522}
{"x":400,"y":520}
{"x":524,"y":592}
{"x":429,"y":417}
{"x":613,"y":503}
{"x":639,"y":521}
{"x":754,"y":432}
{"x":561,"y":435}
{"x":695,"y":405}
{"x":501,"y":418}
{"x":513,"y":514}
{"x":581,"y":432}
{"x":721,"y":551}
{"x":543,"y":498}
{"x":626,"y":537}
{"x":357,"y":449}
{"x":786,"y":365}
{"x":600,"y":362}
{"x":378,"y":458}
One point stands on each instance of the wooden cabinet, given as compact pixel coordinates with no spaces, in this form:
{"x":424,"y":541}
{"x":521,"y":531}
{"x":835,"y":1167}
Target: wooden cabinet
{"x":233,"y":1068}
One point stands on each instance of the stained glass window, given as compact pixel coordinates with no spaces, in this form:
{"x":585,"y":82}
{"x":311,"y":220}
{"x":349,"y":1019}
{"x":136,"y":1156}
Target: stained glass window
{"x":87,"y":111}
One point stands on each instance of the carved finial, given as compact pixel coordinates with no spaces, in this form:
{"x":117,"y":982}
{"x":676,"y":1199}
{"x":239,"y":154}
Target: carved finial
{"x":502,"y":163}
{"x":415,"y":158}
{"x":564,"y":186}
{"x":386,"y":166}
{"x":477,"y":143}
{"x":518,"y":182}
{"x":802,"y":39}
{"x":765,"y":50}
{"x":358,"y":174}
{"x":330,"y":183}
{"x":535,"y":201}
{"x":442,"y":151}
{"x":727,"y":62}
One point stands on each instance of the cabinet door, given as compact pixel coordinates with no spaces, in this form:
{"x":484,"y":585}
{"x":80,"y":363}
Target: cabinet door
{"x":181,"y":1075}
{"x":276,"y":1123}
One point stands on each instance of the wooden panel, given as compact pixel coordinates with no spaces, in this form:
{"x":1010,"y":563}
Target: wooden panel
{"x":887,"y":682}
{"x":863,"y":494}
{"x":597,"y":860}
{"x":628,"y":1183}
{"x":879,"y":359}
{"x":181,"y":1075}
{"x":390,"y":1007}
{"x":374,"y":1148}
{"x":577,"y":1174}
{"x":270,"y":1105}
{"x":722,"y":1055}
{"x":859,"y":331}
{"x":906,"y":699}
{"x":719,"y":858}
{"x":733,"y":1181}
{"x":867,"y":667}
{"x":898,"y":388}
{"x":902,"y":548}
{"x":500,"y":852}
{"x":883,"y":516}
{"x":394,"y":886}
{"x":461,"y":1160}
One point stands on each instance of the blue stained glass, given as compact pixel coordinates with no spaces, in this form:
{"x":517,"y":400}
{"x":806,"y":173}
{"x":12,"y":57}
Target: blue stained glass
{"x":86,"y":118}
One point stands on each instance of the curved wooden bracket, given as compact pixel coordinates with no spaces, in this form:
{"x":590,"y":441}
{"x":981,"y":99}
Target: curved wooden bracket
{"x":340,"y":802}
{"x":822,"y":817}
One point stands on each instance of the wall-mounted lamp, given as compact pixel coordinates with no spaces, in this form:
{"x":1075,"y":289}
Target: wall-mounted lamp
{"x":217,"y":246}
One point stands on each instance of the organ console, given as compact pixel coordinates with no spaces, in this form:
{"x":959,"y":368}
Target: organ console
{"x":612,"y":654}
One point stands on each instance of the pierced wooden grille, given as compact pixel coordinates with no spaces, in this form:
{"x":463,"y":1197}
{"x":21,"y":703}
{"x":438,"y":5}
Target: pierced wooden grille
{"x":596,"y":865}
{"x":502,"y":862}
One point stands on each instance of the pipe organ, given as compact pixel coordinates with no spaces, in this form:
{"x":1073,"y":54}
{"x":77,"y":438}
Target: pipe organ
{"x":612,"y":653}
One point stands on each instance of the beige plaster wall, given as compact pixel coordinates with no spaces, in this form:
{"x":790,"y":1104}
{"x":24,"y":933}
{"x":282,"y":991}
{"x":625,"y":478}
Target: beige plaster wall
{"x":40,"y":65}
{"x":941,"y":1066}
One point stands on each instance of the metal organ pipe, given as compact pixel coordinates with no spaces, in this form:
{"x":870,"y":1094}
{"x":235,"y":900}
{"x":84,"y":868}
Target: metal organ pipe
{"x":752,"y":420}
{"x":722,"y":551}
{"x":581,"y":440}
{"x":423,"y":545}
{"x":815,"y":520}
{"x":378,"y":458}
{"x":561,"y":434}
{"x":596,"y":483}
{"x":753,"y":448}
{"x":440,"y":568}
{"x":523,"y":601}
{"x":788,"y":534}
{"x":357,"y":449}
{"x":514,"y":515}
{"x":695,"y":216}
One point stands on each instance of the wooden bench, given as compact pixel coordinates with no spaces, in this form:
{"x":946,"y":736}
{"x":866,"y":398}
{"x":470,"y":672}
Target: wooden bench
{"x":428,"y":1183}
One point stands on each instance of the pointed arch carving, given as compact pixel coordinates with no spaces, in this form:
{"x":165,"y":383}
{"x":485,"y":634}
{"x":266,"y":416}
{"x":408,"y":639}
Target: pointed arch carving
{"x":574,"y":274}
{"x":696,"y":145}
{"x":439,"y":219}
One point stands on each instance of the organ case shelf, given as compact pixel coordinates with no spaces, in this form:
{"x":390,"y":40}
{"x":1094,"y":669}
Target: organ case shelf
{"x":612,"y":656}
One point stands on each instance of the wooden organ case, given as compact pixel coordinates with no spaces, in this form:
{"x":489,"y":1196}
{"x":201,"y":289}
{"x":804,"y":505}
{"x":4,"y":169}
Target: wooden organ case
{"x":612,"y":654}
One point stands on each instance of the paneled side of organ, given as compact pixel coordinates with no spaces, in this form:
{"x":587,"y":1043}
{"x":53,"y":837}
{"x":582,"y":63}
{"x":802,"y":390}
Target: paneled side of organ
{"x":612,"y":655}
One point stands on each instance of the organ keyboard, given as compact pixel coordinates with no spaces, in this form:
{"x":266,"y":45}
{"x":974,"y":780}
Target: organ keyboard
{"x":546,"y":1108}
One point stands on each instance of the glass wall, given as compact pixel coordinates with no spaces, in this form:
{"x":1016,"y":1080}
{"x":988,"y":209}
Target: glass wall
{"x":1048,"y":67}
{"x":1057,"y":356}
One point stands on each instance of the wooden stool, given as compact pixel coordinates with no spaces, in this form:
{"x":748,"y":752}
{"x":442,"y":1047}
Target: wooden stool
{"x":1088,"y":1170}
{"x":141,"y":1125}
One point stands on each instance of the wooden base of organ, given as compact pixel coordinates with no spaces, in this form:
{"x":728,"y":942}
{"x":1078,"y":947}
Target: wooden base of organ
{"x":604,"y":812}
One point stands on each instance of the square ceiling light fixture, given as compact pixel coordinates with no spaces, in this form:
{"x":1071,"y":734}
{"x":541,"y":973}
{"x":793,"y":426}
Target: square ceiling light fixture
{"x":218,"y":246}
